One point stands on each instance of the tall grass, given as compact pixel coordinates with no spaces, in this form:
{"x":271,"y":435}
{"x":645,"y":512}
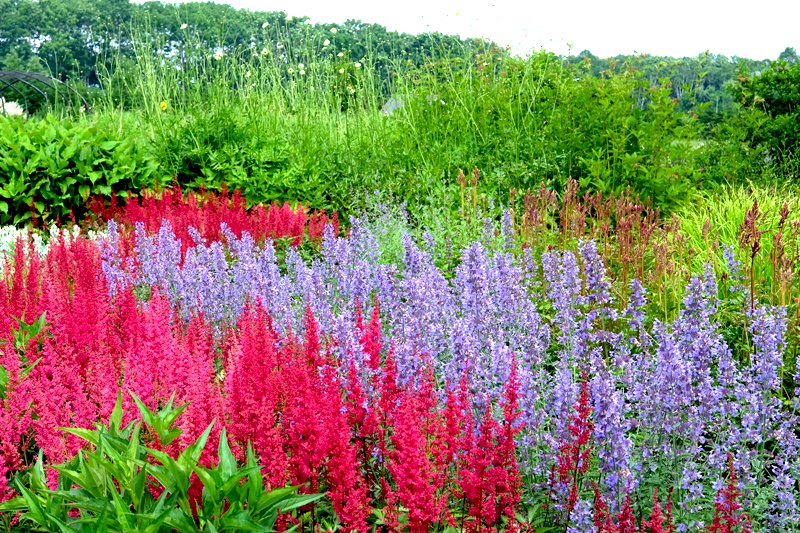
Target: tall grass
{"x":301,"y":118}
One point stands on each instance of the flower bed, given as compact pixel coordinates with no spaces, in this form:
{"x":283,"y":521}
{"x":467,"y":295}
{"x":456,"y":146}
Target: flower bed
{"x":517,"y":392}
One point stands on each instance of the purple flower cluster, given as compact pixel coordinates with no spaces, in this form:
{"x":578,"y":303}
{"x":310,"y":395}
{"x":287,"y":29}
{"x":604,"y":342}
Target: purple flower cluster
{"x":667,"y":397}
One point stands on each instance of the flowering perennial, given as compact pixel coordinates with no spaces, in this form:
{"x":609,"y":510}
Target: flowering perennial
{"x":411,"y":398}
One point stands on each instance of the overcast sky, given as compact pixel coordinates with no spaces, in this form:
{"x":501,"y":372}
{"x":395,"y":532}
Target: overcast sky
{"x":757,"y":30}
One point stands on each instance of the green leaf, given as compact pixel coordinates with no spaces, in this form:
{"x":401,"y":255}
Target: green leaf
{"x":115,"y":420}
{"x":227,"y":462}
{"x":108,"y":145}
{"x":35,"y":511}
{"x":241,"y":521}
{"x":123,"y":515}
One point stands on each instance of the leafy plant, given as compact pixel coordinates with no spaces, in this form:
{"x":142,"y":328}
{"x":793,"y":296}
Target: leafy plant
{"x":50,"y":167}
{"x":120,"y":484}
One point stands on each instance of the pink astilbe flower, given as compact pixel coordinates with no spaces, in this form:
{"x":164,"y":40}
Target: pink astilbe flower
{"x":82,"y":318}
{"x":200,"y":388}
{"x":15,"y":418}
{"x":24,"y":292}
{"x":149,"y":357}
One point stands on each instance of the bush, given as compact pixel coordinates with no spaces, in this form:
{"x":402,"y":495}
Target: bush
{"x":49,"y":168}
{"x":771,"y":102}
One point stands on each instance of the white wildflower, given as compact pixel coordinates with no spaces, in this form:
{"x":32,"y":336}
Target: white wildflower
{"x":340,"y":54}
{"x":301,"y":66}
{"x":265,"y":51}
{"x":302,"y":72}
{"x":326,"y":43}
{"x":289,"y":18}
{"x":264,"y":25}
{"x":184,"y":26}
{"x":11,"y":109}
{"x":333,"y":30}
{"x":247,"y":74}
{"x":341,"y":71}
{"x":358,"y":65}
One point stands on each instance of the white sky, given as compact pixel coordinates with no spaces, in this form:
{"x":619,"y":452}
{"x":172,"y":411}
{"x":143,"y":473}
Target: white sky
{"x":756,"y":30}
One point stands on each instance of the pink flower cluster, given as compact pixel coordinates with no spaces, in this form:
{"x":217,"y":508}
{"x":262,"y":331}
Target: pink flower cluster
{"x":351,"y":430}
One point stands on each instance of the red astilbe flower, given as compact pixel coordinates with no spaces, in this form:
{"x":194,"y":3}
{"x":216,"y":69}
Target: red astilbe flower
{"x":602,"y":515}
{"x":477,"y":475}
{"x":574,"y":455}
{"x":371,"y":337}
{"x":206,"y":211}
{"x":670,"y":525}
{"x":656,"y":522}
{"x":318,"y":437}
{"x":488,"y":475}
{"x":509,"y":482}
{"x":727,"y":519}
{"x":417,"y":459}
{"x":253,"y":388}
{"x":625,"y":519}
{"x":347,"y":487}
{"x":303,"y":418}
{"x":317,"y":223}
{"x":362,"y":413}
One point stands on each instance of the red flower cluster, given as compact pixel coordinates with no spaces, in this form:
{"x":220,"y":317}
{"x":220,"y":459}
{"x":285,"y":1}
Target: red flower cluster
{"x":574,"y":455}
{"x":208,"y":210}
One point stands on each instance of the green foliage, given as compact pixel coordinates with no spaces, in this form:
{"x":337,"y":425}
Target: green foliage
{"x":112,"y":484}
{"x":51,"y":166}
{"x":293,"y":111}
{"x":771,"y":102}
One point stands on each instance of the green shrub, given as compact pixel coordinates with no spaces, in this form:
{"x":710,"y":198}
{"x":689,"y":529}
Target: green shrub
{"x":51,"y":166}
{"x":771,"y":109}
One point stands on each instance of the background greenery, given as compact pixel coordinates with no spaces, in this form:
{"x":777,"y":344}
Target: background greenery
{"x":202,"y":94}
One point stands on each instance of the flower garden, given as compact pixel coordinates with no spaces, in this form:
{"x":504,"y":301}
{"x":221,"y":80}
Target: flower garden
{"x":189,"y":362}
